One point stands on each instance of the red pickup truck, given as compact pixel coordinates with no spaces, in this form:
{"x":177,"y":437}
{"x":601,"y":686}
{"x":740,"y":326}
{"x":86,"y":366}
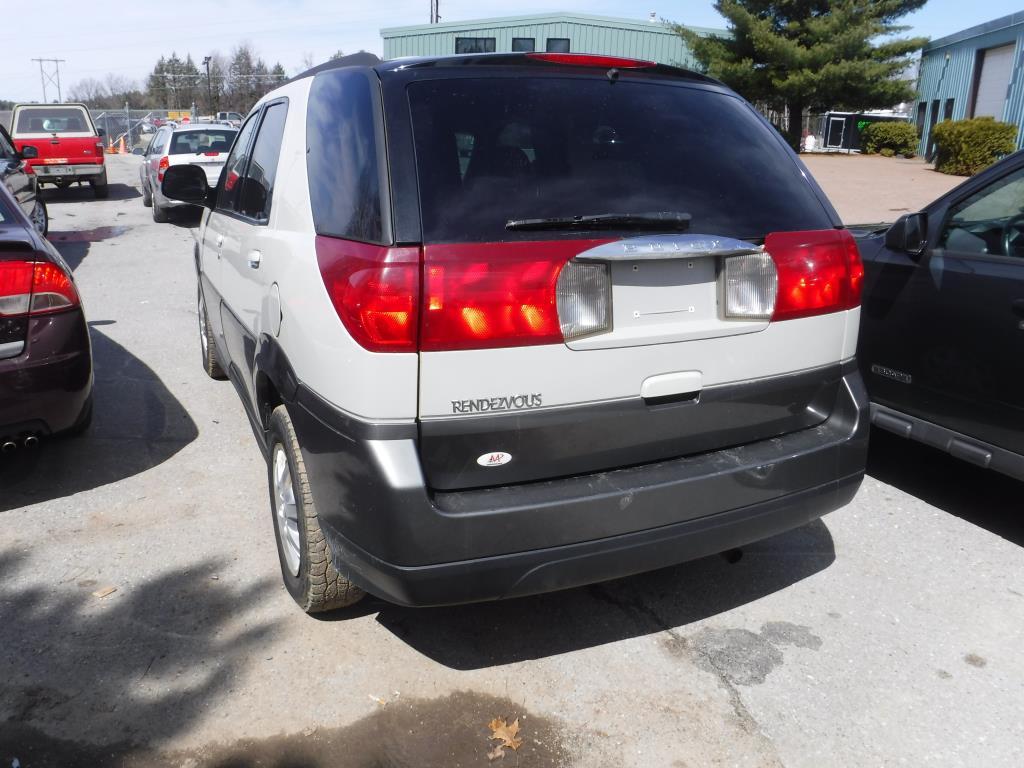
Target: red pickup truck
{"x":69,"y":147}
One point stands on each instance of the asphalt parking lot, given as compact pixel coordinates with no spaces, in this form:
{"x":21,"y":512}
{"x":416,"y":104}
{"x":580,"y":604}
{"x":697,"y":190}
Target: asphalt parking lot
{"x":887,"y":634}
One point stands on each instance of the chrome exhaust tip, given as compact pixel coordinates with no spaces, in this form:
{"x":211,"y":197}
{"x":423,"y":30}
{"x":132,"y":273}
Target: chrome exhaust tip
{"x":9,"y":446}
{"x":31,"y":441}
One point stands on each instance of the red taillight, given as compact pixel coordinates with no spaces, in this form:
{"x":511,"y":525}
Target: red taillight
{"x":34,"y":288}
{"x":375,"y":291}
{"x":211,"y":154}
{"x":592,"y":60}
{"x":165,"y":163}
{"x":474,"y":295}
{"x":474,"y":299}
{"x":819,"y":271}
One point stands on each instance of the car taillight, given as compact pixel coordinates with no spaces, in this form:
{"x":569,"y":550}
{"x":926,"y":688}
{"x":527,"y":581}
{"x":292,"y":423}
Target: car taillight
{"x":473,"y":296}
{"x":34,"y":288}
{"x":487,"y":295}
{"x":375,"y":291}
{"x":799,"y":274}
{"x":165,"y":163}
{"x":211,"y":154}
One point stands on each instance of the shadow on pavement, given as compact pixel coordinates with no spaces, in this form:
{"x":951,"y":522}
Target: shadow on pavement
{"x":979,"y":496}
{"x":74,"y":245}
{"x":82,"y":192}
{"x":490,"y":634}
{"x":186,"y":217}
{"x":143,"y":664}
{"x":137,"y":424}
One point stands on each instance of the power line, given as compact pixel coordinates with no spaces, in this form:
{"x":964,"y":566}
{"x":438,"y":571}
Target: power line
{"x":53,"y":77}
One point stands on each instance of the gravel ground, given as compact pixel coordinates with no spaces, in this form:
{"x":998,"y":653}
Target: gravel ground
{"x":886,"y":634}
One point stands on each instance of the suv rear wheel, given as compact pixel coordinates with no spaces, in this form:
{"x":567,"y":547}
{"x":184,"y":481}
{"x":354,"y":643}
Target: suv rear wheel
{"x":306,"y":563}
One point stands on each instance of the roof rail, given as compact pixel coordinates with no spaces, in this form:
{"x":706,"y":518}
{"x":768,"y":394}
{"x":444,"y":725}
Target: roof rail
{"x":361,"y":59}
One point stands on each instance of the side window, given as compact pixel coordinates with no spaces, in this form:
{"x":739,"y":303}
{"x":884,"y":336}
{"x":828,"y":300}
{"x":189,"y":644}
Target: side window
{"x":159,"y":141}
{"x":235,"y":166}
{"x":6,"y":148}
{"x":989,"y":222}
{"x":257,"y":191}
{"x":342,"y":159}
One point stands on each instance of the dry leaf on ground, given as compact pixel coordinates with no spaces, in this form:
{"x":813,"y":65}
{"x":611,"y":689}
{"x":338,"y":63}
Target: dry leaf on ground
{"x":104,"y":592}
{"x":506,"y":733}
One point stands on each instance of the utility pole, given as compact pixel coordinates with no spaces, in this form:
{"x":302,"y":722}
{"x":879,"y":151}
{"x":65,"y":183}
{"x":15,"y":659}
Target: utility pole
{"x":435,"y":11}
{"x":52,"y":77}
{"x":209,"y":87}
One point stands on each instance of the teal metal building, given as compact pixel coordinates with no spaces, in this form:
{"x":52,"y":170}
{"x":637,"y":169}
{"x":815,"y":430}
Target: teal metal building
{"x":651,"y":40}
{"x":973,"y":73}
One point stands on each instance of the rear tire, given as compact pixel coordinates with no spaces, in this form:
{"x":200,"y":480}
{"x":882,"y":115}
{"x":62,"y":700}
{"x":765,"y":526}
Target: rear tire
{"x":207,"y":346}
{"x":159,"y":213}
{"x":147,"y":196}
{"x":99,"y":186}
{"x":306,"y":562}
{"x":40,"y":217}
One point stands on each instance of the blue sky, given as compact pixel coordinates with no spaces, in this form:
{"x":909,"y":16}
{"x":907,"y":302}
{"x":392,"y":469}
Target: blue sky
{"x":127,"y":42}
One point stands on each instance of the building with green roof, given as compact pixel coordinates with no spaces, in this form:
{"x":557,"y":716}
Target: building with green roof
{"x":651,"y":40}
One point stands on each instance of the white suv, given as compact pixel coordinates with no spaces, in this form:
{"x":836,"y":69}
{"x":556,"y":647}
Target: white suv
{"x":481,"y":349}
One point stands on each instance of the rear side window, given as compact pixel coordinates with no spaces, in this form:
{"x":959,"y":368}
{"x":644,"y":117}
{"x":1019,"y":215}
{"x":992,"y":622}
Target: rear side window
{"x":234,"y":167}
{"x":257,"y":192}
{"x":343,"y":159}
{"x":193,"y":142}
{"x":490,"y":150}
{"x":52,"y":120}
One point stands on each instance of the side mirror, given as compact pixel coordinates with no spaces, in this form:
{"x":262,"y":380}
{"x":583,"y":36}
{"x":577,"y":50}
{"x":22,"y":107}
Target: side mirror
{"x":138,"y":151}
{"x":100,"y":132}
{"x":28,"y":153}
{"x":908,"y":235}
{"x":186,"y":183}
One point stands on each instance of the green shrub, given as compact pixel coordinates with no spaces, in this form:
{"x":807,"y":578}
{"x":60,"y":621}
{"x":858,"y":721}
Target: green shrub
{"x":965,"y":147}
{"x":898,"y":138}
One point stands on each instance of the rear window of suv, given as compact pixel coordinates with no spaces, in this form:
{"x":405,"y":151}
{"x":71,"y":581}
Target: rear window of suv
{"x":52,"y":120}
{"x":192,"y":142}
{"x":494,"y":149}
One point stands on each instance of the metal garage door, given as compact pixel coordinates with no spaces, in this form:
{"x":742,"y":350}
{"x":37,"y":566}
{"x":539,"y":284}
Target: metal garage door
{"x":996,"y":68}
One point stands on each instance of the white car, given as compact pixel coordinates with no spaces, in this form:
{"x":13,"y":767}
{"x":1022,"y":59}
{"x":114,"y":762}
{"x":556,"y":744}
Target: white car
{"x":205,"y":146}
{"x":481,"y":348}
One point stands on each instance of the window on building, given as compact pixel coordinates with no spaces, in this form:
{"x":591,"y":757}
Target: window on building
{"x":947,"y":111}
{"x":558,"y":45}
{"x":922,"y":111}
{"x":524,"y":44}
{"x":474,"y":45}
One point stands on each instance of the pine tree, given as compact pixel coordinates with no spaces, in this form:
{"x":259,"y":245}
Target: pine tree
{"x":794,"y":55}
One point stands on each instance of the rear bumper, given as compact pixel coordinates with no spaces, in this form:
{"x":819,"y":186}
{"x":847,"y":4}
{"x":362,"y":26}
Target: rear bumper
{"x":45,"y":389}
{"x":400,"y":541}
{"x":46,"y":173}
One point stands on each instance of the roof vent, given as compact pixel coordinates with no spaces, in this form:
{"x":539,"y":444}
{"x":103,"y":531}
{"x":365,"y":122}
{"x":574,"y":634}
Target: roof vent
{"x":654,"y":17}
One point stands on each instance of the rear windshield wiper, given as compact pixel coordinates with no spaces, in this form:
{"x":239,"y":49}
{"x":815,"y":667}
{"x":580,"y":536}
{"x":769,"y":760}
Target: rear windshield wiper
{"x":660,"y":221}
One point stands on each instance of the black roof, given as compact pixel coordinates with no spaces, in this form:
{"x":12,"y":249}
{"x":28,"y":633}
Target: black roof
{"x":369,"y":60}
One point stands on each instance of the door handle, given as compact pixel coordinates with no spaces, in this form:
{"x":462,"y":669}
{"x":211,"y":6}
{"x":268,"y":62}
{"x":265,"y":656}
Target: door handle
{"x":219,"y":243}
{"x":255,"y":257}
